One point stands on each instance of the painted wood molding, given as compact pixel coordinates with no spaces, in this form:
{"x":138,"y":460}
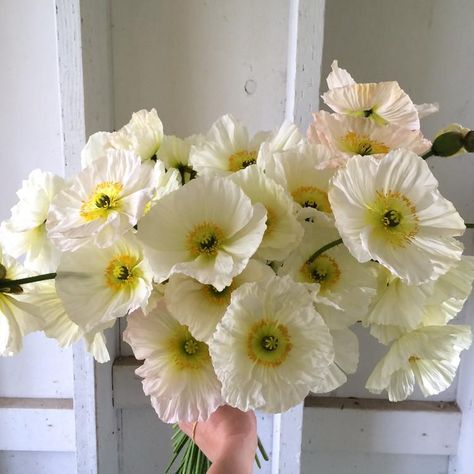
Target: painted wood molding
{"x":36,"y":424}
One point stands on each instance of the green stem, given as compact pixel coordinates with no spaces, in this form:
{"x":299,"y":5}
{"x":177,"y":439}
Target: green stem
{"x":469,"y":225}
{"x":23,"y":281}
{"x":428,"y":154}
{"x":328,"y":246}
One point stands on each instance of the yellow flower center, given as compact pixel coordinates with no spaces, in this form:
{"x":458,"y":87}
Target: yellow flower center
{"x":104,"y":199}
{"x":323,"y":270}
{"x":361,"y":145}
{"x":393,"y":217}
{"x":123,"y":273}
{"x":205,"y":239}
{"x":311,"y":196}
{"x":413,"y":359}
{"x":268,"y":343}
{"x":371,"y":114}
{"x":214,"y":296}
{"x":242,"y":159}
{"x":186,"y":352}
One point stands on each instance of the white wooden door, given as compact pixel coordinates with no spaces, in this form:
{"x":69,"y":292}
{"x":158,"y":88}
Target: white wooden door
{"x":194,"y":60}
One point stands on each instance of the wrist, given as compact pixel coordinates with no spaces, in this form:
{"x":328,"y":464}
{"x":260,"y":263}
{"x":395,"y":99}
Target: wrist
{"x":233,"y":462}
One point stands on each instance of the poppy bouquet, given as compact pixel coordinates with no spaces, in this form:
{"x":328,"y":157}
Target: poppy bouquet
{"x":241,"y":262}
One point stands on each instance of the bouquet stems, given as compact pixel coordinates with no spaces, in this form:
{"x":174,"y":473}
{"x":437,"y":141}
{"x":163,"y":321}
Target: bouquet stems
{"x":193,"y":460}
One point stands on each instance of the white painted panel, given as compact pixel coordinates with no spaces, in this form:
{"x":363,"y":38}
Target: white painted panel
{"x":29,"y":120}
{"x":192,"y":60}
{"x":42,"y":369}
{"x":22,"y":462}
{"x":37,"y":425}
{"x":316,"y":461}
{"x":368,"y":425}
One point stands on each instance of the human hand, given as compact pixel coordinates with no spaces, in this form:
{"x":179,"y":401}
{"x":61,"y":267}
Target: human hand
{"x":228,"y":439}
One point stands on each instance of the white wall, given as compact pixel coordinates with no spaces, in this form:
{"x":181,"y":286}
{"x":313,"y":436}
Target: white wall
{"x":30,"y":137}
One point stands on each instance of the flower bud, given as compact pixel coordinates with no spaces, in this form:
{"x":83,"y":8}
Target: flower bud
{"x":448,"y":144}
{"x":450,"y":141}
{"x":469,"y":141}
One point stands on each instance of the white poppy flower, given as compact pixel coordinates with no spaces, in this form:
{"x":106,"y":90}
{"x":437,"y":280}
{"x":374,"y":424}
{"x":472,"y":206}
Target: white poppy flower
{"x":349,"y":136}
{"x":429,"y":356}
{"x":396,"y":303}
{"x":58,"y":325}
{"x":17,"y":316}
{"x":346,"y":360}
{"x":101,"y":203}
{"x":390,"y":210}
{"x":142,"y":136}
{"x":302,"y":172}
{"x":228,"y":148}
{"x":284,"y":232}
{"x":178,"y":372}
{"x":208,"y":230}
{"x":97,"y":286}
{"x":284,"y":138}
{"x":400,"y":308}
{"x":201,"y":307}
{"x":25,"y":232}
{"x":174,"y":151}
{"x":345,"y":286}
{"x":383,"y":102}
{"x":279,"y":345}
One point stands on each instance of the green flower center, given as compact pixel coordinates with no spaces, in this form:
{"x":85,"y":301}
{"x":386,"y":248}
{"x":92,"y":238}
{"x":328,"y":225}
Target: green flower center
{"x":393,"y":218}
{"x":268,"y":343}
{"x":185,"y":352}
{"x":323,"y":270}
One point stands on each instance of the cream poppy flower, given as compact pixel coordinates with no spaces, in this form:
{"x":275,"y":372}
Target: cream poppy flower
{"x":178,"y":372}
{"x":346,"y":360}
{"x":428,"y":356}
{"x":97,"y":286}
{"x":303,"y":173}
{"x":25,"y":232}
{"x":208,"y":230}
{"x":400,"y":308}
{"x":142,"y":136}
{"x":228,"y":148}
{"x":101,"y":203}
{"x":396,"y":303}
{"x":349,"y":136}
{"x":284,"y":138}
{"x":174,"y":151}
{"x":284,"y":232}
{"x":17,"y":316}
{"x":58,"y":325}
{"x":346,"y":287}
{"x":201,"y":307}
{"x":279,"y":346}
{"x":383,"y":102}
{"x":391,"y":211}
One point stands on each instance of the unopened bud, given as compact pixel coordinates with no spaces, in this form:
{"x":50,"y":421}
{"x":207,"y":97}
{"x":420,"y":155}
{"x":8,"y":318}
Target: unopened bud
{"x":448,"y":144}
{"x":469,"y":141}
